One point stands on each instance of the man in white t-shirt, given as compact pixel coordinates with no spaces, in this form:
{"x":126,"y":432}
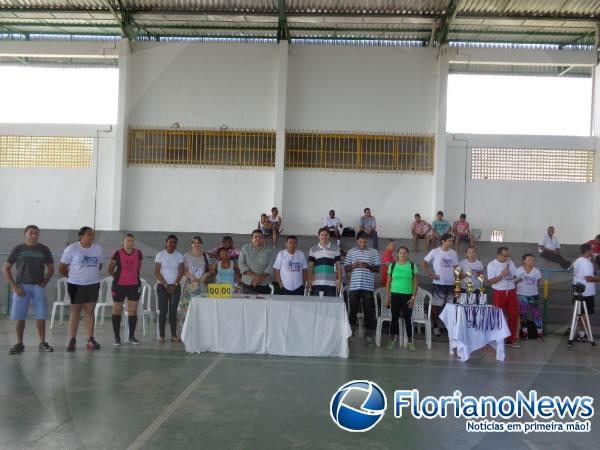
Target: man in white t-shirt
{"x":334,"y":225}
{"x":528,"y":279}
{"x":290,"y":268}
{"x":583,"y":273}
{"x":444,"y":260}
{"x":501,"y":275}
{"x":549,"y":249}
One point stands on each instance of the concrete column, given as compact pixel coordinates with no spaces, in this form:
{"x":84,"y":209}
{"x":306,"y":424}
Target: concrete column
{"x":439,"y":171}
{"x":120,"y":160}
{"x":595,"y":130}
{"x":282,"y":68}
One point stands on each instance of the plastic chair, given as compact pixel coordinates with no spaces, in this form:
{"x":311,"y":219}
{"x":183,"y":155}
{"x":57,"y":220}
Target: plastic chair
{"x":156,"y":308}
{"x":419,"y":317}
{"x":105,"y":300}
{"x":385,"y":315}
{"x":61,"y":300}
{"x":272,"y":287}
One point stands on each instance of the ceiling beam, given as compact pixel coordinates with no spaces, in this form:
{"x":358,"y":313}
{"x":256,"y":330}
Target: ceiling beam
{"x":443,"y":28}
{"x":283,"y":33}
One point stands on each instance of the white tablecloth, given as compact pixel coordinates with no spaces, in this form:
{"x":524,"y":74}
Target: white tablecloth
{"x":471,"y":327}
{"x":276,"y":325}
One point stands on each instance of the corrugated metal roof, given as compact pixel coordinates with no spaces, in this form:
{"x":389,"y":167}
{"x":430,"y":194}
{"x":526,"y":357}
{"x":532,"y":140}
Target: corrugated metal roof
{"x":554,"y":21}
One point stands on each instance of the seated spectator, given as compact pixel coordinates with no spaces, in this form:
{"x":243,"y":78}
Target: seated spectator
{"x":265,"y":226}
{"x":419,"y":230}
{"x":369,"y":226}
{"x":290,"y":268}
{"x":389,"y":256}
{"x":333,"y":224}
{"x":549,"y":249}
{"x":462,"y":232}
{"x":227,"y":244}
{"x":440,"y":226}
{"x":275,"y":221}
{"x":195,"y":267}
{"x":256,"y":265}
{"x":225,"y":270}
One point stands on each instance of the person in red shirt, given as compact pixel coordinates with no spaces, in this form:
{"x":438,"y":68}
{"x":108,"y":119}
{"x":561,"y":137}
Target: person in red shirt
{"x":125,"y":265}
{"x":595,"y":244}
{"x":462,"y":232}
{"x":387,"y":259}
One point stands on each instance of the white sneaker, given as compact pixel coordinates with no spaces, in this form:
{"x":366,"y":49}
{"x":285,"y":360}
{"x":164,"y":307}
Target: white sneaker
{"x":369,"y":340}
{"x":436,"y":331}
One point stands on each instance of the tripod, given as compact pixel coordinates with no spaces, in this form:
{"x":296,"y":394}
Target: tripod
{"x":578,"y":304}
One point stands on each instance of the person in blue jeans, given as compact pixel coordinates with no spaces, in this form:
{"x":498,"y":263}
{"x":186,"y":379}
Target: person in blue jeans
{"x":35,"y":267}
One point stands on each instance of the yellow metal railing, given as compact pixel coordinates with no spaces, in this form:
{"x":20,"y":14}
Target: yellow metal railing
{"x":149,"y":146}
{"x":55,"y":152}
{"x":351,"y":151}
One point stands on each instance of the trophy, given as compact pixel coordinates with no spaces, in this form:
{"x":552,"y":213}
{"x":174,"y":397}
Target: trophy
{"x":457,"y":291}
{"x":470,"y":297}
{"x":482,"y":294}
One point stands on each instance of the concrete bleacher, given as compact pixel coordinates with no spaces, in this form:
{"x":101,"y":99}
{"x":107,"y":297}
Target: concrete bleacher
{"x":559,"y":303}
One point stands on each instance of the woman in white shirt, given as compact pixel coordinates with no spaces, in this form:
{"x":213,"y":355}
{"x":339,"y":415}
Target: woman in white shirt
{"x":168,"y":270}
{"x":81,"y":263}
{"x":528,"y":280}
{"x":195,"y":266}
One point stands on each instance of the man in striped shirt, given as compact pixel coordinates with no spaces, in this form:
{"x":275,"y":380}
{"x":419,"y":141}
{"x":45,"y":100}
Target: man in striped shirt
{"x":362,"y":263}
{"x":324,"y":267}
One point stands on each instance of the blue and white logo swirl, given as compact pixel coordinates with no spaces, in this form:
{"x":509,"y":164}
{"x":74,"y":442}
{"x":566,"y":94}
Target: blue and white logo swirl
{"x":358,"y":406}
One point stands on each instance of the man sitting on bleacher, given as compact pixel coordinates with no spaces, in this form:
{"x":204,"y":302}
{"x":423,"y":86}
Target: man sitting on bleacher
{"x":549,"y":249}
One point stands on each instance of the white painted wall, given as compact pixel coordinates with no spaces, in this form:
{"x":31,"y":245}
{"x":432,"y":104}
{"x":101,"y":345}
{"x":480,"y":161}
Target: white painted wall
{"x":390,"y":89}
{"x":393,"y":199}
{"x":203,"y":85}
{"x":522,"y":209}
{"x":196,"y":199}
{"x":57,"y":198}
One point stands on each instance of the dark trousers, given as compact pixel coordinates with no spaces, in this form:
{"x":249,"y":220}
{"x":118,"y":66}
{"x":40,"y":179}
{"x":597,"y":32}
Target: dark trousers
{"x":562,"y":262}
{"x":368,"y":307}
{"x":261,"y":290}
{"x":373,"y":236}
{"x":167,"y":303}
{"x":299,"y":291}
{"x":328,"y":291}
{"x":399,"y":305}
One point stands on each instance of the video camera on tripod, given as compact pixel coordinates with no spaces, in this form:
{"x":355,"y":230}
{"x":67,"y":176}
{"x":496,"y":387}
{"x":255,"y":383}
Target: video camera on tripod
{"x":580,"y":313}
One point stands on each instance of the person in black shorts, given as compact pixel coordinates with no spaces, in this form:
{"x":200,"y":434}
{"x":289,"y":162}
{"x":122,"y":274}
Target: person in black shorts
{"x":81,"y":264}
{"x":124,"y":266}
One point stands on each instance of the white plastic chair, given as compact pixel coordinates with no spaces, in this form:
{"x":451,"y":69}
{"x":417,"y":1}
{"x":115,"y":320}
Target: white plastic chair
{"x":385,"y":315}
{"x":105,"y":300}
{"x":156,"y":308}
{"x":419,"y":317}
{"x":272,"y":287}
{"x":61,"y":300}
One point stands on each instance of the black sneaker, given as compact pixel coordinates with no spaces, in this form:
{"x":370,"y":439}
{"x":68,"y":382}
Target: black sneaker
{"x":16,"y":349}
{"x":45,"y":347}
{"x":92,"y":344}
{"x":134,"y":341}
{"x":71,"y":347}
{"x":117,"y":342}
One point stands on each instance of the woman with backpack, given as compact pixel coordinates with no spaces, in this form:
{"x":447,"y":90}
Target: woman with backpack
{"x":401,"y":290}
